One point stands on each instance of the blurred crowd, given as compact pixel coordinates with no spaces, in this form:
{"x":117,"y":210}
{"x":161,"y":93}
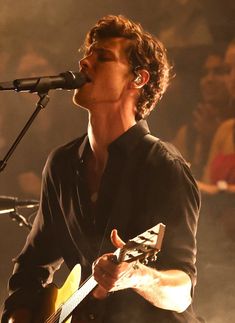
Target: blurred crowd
{"x":22,"y":175}
{"x":206,"y":141}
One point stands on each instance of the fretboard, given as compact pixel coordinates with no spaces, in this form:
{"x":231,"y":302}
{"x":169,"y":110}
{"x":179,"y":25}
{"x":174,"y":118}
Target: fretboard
{"x":70,"y":305}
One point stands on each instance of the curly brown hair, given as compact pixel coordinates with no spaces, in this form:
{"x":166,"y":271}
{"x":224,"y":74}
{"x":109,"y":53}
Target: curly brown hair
{"x":146,"y":52}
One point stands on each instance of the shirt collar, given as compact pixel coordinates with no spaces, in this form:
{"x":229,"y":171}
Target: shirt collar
{"x":129,"y":139}
{"x":126,"y":142}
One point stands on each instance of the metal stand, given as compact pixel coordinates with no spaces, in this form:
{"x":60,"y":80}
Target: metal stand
{"x":20,"y":219}
{"x":41,"y":104}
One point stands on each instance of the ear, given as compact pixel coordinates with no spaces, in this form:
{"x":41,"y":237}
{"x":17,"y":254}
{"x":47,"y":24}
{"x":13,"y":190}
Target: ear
{"x":141,"y":78}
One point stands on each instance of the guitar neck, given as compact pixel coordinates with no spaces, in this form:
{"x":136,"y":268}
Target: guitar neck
{"x":69,"y":306}
{"x":77,"y":298}
{"x":144,"y":246}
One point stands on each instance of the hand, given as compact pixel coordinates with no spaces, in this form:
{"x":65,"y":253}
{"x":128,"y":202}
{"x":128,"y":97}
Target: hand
{"x":111,"y":276}
{"x":210,"y":189}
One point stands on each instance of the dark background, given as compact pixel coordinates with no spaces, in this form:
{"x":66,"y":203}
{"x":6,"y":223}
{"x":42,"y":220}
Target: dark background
{"x":57,"y":29}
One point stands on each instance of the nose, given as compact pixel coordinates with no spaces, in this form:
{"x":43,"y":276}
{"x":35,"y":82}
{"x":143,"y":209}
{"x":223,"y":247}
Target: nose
{"x":85,"y":62}
{"x":210,"y":76}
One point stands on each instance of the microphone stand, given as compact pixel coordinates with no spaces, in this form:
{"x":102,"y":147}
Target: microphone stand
{"x":41,"y":104}
{"x":20,"y":219}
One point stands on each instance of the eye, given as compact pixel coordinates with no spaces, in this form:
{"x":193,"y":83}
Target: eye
{"x":104,"y":57}
{"x":220,"y":70}
{"x":227,"y":69}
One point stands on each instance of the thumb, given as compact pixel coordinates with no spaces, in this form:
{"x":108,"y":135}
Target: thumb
{"x":116,"y":240}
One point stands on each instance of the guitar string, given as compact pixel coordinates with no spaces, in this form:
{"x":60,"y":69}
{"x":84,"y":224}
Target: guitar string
{"x":57,"y":314}
{"x":53,"y":319}
{"x":69,"y":302}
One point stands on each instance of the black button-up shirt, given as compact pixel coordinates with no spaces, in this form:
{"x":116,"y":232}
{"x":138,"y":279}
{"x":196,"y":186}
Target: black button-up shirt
{"x":145,"y":182}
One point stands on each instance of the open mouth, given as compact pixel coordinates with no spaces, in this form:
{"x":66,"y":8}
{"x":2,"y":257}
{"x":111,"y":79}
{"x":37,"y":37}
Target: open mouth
{"x":88,"y":78}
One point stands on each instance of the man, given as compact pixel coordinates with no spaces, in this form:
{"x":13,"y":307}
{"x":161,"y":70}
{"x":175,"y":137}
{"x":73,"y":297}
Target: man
{"x":117,"y":177}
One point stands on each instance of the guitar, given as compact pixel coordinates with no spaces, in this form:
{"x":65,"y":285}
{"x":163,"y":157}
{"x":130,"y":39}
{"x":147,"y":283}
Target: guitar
{"x":58,"y":304}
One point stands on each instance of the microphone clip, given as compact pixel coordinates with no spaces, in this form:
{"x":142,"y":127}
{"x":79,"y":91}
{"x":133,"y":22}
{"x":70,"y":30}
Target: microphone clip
{"x":20,"y":219}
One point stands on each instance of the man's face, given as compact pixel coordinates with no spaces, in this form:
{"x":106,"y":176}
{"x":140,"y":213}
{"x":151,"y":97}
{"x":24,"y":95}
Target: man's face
{"x":109,"y":71}
{"x":212,"y":84}
{"x":230,"y":64}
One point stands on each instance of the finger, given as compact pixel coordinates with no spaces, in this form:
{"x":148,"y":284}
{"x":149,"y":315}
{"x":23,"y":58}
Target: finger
{"x":103,"y":278}
{"x":105,"y":264}
{"x":116,"y":240}
{"x":100,"y":293}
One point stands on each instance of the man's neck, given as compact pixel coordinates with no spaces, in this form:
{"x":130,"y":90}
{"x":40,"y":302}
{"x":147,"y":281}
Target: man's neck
{"x":104,"y":129}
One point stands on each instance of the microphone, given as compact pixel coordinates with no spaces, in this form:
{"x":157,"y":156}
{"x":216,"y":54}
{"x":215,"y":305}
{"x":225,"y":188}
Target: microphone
{"x":66,"y":81}
{"x":9,"y":204}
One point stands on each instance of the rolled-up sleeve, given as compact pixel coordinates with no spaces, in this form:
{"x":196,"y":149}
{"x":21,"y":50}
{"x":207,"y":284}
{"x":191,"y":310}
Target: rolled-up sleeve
{"x":180,"y":211}
{"x":172,"y":197}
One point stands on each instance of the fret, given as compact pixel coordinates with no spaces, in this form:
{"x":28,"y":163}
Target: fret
{"x":143,"y":247}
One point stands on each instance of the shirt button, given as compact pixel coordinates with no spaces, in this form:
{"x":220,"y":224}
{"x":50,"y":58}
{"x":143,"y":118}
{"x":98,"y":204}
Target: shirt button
{"x":91,"y":316}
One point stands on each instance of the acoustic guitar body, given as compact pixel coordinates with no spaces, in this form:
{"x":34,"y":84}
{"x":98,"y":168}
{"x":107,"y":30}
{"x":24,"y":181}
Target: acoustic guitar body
{"x":59,"y":304}
{"x":53,"y":297}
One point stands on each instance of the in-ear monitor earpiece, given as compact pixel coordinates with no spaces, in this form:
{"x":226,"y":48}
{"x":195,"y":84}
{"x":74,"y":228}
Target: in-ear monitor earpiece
{"x":138,"y":79}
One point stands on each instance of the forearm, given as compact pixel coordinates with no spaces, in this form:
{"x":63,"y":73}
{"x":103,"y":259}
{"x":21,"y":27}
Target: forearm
{"x":170,"y":289}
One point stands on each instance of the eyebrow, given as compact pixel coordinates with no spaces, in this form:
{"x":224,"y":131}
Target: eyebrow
{"x":94,"y":47}
{"x":103,"y":50}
